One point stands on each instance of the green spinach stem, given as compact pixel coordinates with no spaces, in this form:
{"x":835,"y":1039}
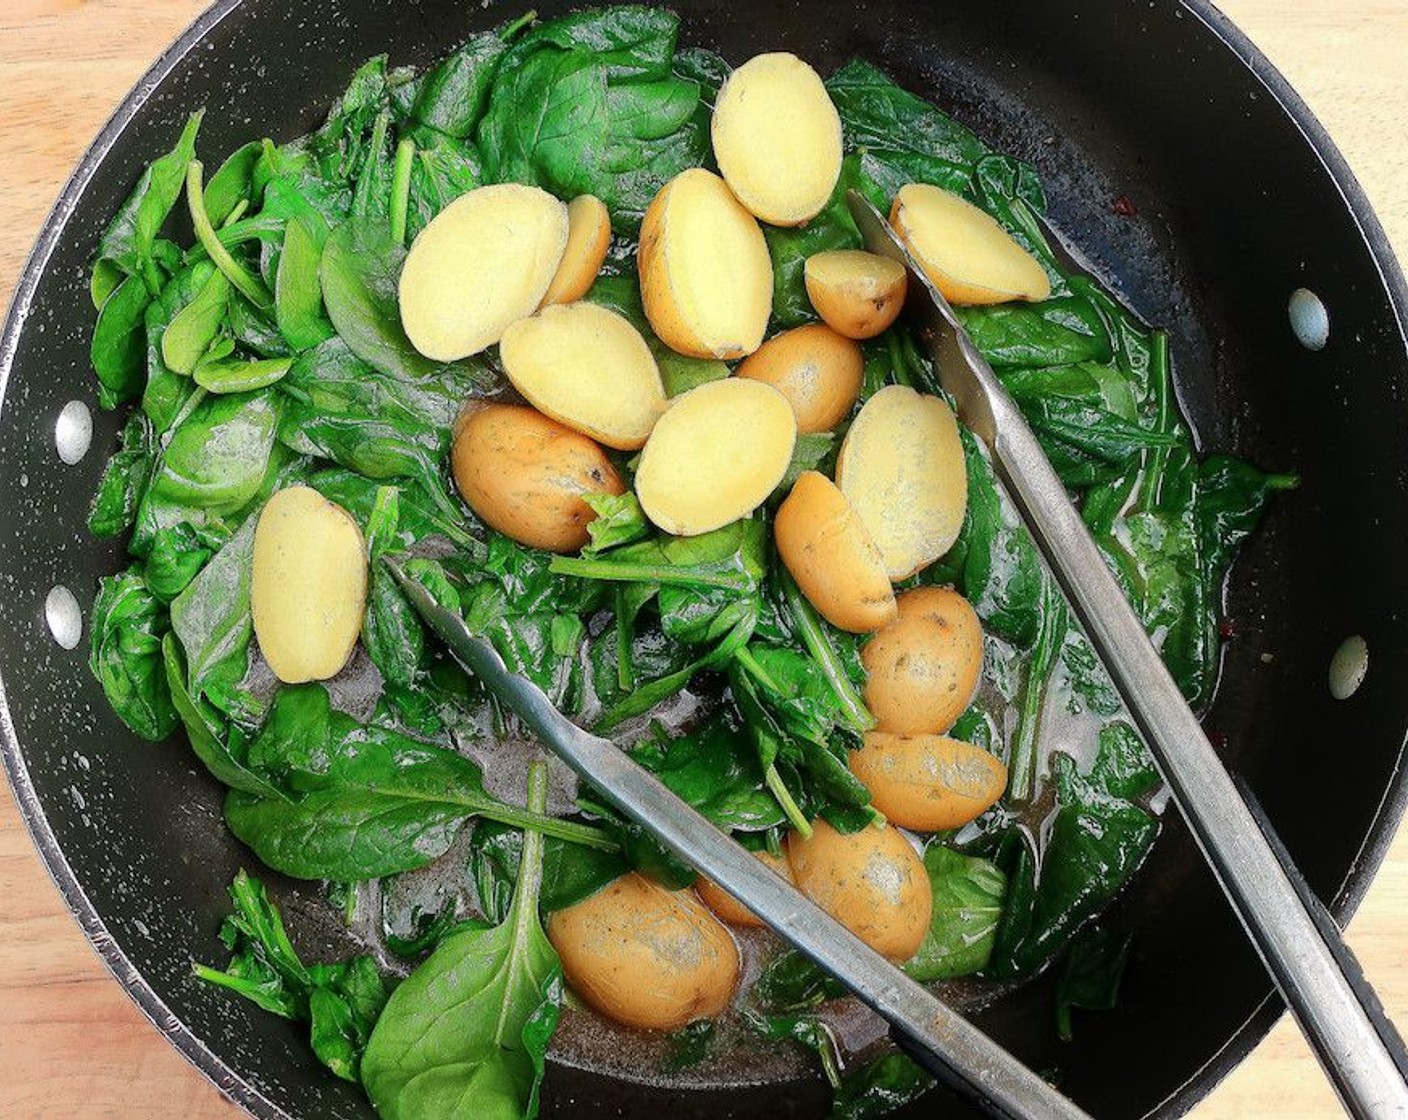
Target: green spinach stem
{"x":235,"y":272}
{"x":1156,"y":458}
{"x":530,"y":863}
{"x":401,"y":188}
{"x":790,"y":807}
{"x":1022,"y":764}
{"x":899,"y":367}
{"x":812,"y":631}
{"x":645,"y":573}
{"x":537,"y":822}
{"x":625,"y":634}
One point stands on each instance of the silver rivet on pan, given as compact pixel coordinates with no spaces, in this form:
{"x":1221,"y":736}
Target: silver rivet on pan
{"x":73,"y":432}
{"x":64,"y":617}
{"x":1310,"y":321}
{"x":1348,"y":666}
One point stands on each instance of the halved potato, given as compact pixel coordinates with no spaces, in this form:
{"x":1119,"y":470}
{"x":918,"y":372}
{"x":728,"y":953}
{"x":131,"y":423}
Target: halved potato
{"x":308,"y":585}
{"x":901,"y":466}
{"x":928,"y":782}
{"x":830,"y":554}
{"x":857,"y":294}
{"x":524,"y":474}
{"x":968,"y":256}
{"x":705,"y":272}
{"x":586,"y":366}
{"x":588,"y":239}
{"x":482,"y":263}
{"x":777,"y":138}
{"x":816,"y":369}
{"x":715,"y":456}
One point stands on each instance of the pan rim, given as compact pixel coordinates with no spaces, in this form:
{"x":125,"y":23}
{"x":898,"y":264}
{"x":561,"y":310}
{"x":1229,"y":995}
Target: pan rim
{"x":235,"y":1085}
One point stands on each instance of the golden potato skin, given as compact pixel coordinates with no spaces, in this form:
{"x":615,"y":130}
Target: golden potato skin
{"x":871,"y":881}
{"x":524,"y":474}
{"x":588,"y":239}
{"x":928,"y":782}
{"x":645,"y":956}
{"x":827,"y":550}
{"x":923,"y":668}
{"x":857,"y":294}
{"x":817,"y":370}
{"x":729,"y":909}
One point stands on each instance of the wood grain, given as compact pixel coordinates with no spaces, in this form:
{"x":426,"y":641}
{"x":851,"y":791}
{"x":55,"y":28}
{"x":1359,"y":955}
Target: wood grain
{"x":71,"y":1043}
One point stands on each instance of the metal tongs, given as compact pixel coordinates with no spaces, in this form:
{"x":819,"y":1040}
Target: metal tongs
{"x":1296,"y":937}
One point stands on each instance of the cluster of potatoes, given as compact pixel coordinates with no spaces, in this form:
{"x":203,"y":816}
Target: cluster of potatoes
{"x":508,"y":265}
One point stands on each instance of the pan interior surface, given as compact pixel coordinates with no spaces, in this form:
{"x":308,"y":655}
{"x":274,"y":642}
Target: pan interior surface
{"x":1225,"y":209}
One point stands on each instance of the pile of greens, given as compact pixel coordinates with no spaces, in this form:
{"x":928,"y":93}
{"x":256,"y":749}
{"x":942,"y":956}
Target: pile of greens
{"x":269,"y":352}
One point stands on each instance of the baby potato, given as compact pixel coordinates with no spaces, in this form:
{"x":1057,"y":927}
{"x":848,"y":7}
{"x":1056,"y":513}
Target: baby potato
{"x":705,"y":272}
{"x":483,"y":262}
{"x":777,"y":138}
{"x":857,"y":294}
{"x":308,"y":586}
{"x":828,"y":551}
{"x":872,"y":882}
{"x":902,"y":468}
{"x":816,"y":369}
{"x":525,"y":474}
{"x":728,"y":908}
{"x":923,"y":668}
{"x":587,"y":367}
{"x":963,"y":251}
{"x":715,"y":456}
{"x":588,"y":239}
{"x":928,"y":782}
{"x":645,"y":956}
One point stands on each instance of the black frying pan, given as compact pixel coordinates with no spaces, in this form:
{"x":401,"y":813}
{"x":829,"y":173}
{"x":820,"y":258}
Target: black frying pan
{"x":1240,"y":199}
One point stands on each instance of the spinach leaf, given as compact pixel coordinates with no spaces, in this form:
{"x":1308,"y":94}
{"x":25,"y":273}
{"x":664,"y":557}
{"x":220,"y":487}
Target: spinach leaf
{"x":879,"y":1088}
{"x":1231,"y":497}
{"x":968,"y":894}
{"x":571,"y":872}
{"x":177,"y":555}
{"x":167,"y":393}
{"x":217,"y":456}
{"x":440,"y":173}
{"x":125,"y":480}
{"x":1058,"y":332}
{"x":192,"y":329}
{"x":340,"y":1002}
{"x":391,"y":630}
{"x":630,"y":41}
{"x":712,"y":769}
{"x":125,"y":653}
{"x":117,"y":348}
{"x":128,"y":244}
{"x":233,"y":183}
{"x":466,"y":1034}
{"x":1090,"y":975}
{"x":213,"y":621}
{"x":451,"y":98}
{"x":619,"y":520}
{"x":791,"y":982}
{"x":298,"y":294}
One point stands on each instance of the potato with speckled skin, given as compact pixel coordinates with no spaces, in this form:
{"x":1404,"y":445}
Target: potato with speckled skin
{"x":705,"y":272}
{"x":645,"y":956}
{"x":923,"y":668}
{"x":589,"y":368}
{"x":728,"y":908}
{"x":928,"y":782}
{"x":524,"y":474}
{"x":963,"y":251}
{"x":872,"y":882}
{"x":901,"y":466}
{"x":308,"y":585}
{"x":588,"y":239}
{"x":777,"y":138}
{"x":817,"y":370}
{"x":828,"y":551}
{"x":715,"y":456}
{"x":857,"y":294}
{"x":483,"y":262}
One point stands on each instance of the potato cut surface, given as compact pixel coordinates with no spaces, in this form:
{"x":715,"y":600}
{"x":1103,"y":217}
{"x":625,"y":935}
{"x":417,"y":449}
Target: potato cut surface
{"x":777,"y":138}
{"x":715,"y":456}
{"x":589,"y":368}
{"x":483,"y":262}
{"x":308,"y":589}
{"x":901,"y":466}
{"x":964,"y":252}
{"x":705,"y":272}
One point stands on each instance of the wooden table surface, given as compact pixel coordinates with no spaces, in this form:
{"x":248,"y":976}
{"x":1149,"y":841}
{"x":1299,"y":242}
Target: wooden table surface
{"x":71,"y":1043}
